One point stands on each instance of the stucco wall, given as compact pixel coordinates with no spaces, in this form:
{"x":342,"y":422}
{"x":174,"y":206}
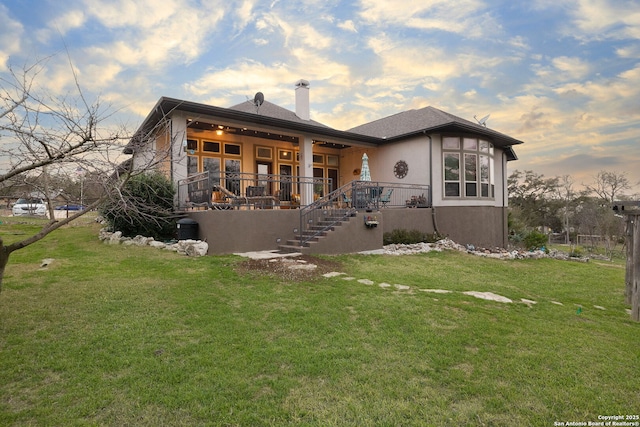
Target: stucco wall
{"x":408,"y":219}
{"x":482,"y":226}
{"x":244,"y":231}
{"x":234,"y":231}
{"x":350,"y":237}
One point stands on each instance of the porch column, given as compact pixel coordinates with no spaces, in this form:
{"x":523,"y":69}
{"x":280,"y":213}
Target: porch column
{"x":179,"y":152}
{"x":177,"y":145}
{"x":306,"y":171}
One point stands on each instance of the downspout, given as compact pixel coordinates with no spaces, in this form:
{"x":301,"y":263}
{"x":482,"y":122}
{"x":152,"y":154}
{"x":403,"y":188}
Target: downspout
{"x":171,"y":148}
{"x":505,"y":201}
{"x":433,"y":208}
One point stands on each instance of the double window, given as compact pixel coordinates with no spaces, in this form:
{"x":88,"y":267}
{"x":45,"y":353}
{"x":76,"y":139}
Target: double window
{"x":468,"y":167}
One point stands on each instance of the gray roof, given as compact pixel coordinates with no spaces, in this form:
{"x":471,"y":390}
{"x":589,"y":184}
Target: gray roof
{"x":269,"y":109}
{"x":431,"y":120}
{"x":417,"y":121}
{"x":393,"y":128}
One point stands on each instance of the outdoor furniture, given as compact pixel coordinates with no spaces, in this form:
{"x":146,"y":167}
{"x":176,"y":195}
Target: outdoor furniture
{"x":346,"y":200}
{"x":199,"y":198}
{"x":255,"y":191}
{"x":386,"y":197}
{"x":257,"y":201}
{"x":417,"y":202}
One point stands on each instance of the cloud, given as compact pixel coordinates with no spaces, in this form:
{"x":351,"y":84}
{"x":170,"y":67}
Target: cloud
{"x":295,"y":34}
{"x":599,"y":19}
{"x":144,"y":34}
{"x":11,"y":37}
{"x":464,"y":17}
{"x":348,"y":25}
{"x":244,"y":13}
{"x":571,"y":67}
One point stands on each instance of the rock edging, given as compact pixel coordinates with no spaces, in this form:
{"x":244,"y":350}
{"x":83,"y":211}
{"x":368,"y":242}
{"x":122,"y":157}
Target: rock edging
{"x":498,"y":253}
{"x":195,"y":248}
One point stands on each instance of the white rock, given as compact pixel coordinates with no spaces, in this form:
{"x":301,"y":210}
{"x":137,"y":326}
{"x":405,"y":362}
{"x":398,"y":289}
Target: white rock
{"x":332,"y":274}
{"x":488,"y":296}
{"x":436,"y":291}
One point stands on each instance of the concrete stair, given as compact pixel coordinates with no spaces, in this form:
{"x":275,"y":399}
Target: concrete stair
{"x":319,"y":229}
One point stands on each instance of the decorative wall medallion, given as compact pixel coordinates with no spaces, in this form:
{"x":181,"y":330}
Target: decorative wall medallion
{"x":401,"y":169}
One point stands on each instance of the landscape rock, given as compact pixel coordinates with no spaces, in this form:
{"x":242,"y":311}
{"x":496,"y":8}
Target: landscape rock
{"x":495,"y":253}
{"x":186,"y":247}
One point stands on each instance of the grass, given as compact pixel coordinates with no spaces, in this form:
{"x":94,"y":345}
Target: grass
{"x":114,"y":335}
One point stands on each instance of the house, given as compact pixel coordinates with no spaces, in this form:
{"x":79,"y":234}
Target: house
{"x":256,"y":176}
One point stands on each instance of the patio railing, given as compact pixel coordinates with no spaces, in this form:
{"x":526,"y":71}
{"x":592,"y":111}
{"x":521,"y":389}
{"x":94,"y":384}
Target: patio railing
{"x":229,"y":190}
{"x":265,"y":191}
{"x":325,"y":213}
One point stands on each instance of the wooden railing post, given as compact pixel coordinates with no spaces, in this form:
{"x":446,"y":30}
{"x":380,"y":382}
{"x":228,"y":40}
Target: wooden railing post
{"x":635,"y":267}
{"x":628,"y":278}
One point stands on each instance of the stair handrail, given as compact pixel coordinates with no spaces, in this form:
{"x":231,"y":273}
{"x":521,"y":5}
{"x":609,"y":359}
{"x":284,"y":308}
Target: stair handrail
{"x":330,"y":201}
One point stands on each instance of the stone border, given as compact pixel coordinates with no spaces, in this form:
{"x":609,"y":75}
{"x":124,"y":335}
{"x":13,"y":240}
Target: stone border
{"x":195,"y":248}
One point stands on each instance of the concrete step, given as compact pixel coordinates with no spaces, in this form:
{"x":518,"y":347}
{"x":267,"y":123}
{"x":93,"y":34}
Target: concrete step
{"x":289,"y":249}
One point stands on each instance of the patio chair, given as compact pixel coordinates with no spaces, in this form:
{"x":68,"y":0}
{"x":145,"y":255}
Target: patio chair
{"x":346,"y":200}
{"x":386,"y":197}
{"x":199,"y":198}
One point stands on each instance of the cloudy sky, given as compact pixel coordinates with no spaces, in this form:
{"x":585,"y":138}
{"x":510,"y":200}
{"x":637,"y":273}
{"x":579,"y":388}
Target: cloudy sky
{"x":561,"y":75}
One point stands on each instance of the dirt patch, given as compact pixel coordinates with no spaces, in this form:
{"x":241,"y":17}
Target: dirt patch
{"x":299,"y":268}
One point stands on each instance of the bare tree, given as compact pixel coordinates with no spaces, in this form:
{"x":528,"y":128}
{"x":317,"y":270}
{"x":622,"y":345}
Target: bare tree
{"x":609,"y":186}
{"x":40,"y":133}
{"x":566,"y":194}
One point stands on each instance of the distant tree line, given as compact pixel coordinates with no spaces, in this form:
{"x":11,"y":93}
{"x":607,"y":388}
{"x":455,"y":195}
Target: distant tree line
{"x":554,"y":205}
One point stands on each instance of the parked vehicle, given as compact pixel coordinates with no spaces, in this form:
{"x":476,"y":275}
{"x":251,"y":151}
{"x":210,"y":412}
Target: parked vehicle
{"x":70,"y":208}
{"x":29,"y":207}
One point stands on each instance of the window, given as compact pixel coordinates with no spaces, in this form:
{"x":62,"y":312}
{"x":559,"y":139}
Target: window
{"x":467,"y":167}
{"x":210,"y":147}
{"x":220,"y":159}
{"x":233,"y":149}
{"x":264,"y":153}
{"x":451,"y":174}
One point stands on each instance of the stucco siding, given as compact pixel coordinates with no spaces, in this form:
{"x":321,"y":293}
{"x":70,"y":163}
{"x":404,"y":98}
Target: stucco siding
{"x":482,"y":226}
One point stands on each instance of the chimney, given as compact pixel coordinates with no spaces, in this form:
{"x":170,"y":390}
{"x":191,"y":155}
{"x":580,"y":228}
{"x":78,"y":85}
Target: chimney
{"x":302,"y":99}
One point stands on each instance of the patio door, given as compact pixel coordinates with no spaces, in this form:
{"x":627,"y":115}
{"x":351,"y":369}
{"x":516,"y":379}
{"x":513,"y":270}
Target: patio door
{"x":332,"y":174}
{"x":286,"y":189}
{"x":264,"y":172}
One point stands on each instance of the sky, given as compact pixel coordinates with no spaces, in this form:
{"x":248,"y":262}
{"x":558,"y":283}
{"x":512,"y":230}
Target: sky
{"x":561,"y":75}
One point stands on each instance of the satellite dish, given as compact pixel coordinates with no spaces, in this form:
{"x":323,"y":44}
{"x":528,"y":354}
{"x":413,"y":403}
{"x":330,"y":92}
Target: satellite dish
{"x":482,"y":121}
{"x":258,"y":99}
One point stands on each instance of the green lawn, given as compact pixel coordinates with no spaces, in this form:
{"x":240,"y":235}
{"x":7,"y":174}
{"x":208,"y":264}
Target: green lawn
{"x":115,"y":335}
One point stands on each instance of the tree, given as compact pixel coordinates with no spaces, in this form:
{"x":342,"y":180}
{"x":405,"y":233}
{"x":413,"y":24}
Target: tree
{"x":150,"y":197}
{"x":42,"y":133}
{"x":609,"y":186}
{"x":569,"y":199}
{"x":530,"y":196}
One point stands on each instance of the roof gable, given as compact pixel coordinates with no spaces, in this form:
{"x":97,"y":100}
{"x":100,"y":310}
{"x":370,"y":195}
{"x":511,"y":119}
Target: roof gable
{"x":430,"y":120}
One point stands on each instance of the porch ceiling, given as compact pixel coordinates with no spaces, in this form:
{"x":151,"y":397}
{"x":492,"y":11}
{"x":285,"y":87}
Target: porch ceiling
{"x":200,"y":126}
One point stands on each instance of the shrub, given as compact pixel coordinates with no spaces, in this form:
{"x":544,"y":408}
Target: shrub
{"x":145,"y":207}
{"x":535,"y":240}
{"x":576,"y":252}
{"x":408,"y":237}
